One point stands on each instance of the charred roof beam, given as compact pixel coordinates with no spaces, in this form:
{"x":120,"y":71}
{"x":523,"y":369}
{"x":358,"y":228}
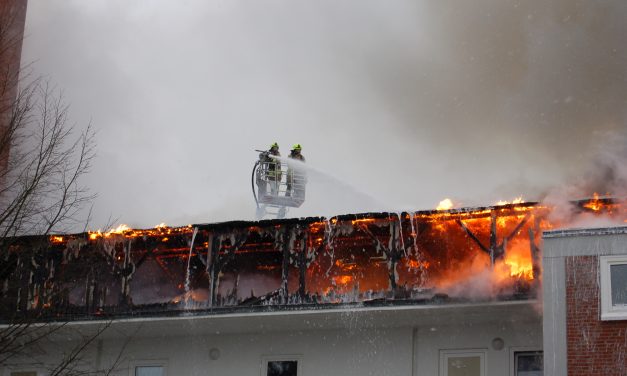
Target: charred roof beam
{"x":496,"y":250}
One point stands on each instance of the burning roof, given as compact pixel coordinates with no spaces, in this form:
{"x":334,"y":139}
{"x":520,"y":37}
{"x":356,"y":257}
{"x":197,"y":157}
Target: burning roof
{"x":427,"y":257}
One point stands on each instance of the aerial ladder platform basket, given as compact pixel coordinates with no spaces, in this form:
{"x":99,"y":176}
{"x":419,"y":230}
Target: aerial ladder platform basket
{"x":279,"y":186}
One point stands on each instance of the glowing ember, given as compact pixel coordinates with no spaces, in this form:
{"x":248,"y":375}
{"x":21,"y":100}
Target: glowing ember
{"x":445,"y":204}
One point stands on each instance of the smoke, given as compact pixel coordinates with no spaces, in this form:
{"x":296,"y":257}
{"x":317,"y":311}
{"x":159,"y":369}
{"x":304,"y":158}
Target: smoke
{"x":407,"y":102}
{"x":476,"y":278}
{"x":517,"y":77}
{"x":605,"y":175}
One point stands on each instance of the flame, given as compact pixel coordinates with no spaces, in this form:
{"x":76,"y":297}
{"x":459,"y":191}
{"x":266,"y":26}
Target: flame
{"x":118,"y":230}
{"x":520,"y":264}
{"x":517,"y":263}
{"x":267,"y":267}
{"x":343,"y":279}
{"x":159,"y":230}
{"x":520,"y":270}
{"x":445,"y":204}
{"x":363,"y":220}
{"x":415,"y":264}
{"x":594,"y":204}
{"x":600,"y":205}
{"x":517,"y":200}
{"x":345,"y":266}
{"x":56,"y":239}
{"x":452,"y":250}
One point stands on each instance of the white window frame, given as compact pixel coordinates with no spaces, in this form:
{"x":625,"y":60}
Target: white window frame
{"x":148,"y":363}
{"x":463,"y":353}
{"x":263,"y":371}
{"x":609,"y":311}
{"x":512,"y":356}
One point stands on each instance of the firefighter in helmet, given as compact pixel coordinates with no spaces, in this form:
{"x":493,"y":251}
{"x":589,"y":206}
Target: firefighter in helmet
{"x":271,"y":169}
{"x":295,"y":153}
{"x":295,"y":175}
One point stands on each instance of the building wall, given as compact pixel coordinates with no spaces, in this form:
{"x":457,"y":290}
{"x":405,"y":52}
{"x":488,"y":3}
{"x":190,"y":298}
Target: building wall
{"x":12,"y":20}
{"x":516,"y":336}
{"x":595,"y":347}
{"x":576,"y":340}
{"x":352,"y":349}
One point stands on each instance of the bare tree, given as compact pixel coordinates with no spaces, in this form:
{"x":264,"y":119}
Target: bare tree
{"x":41,"y":189}
{"x":43,"y":158}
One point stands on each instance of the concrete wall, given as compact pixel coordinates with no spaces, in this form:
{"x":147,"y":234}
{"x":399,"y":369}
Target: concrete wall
{"x":358,"y":347}
{"x":430,"y":341}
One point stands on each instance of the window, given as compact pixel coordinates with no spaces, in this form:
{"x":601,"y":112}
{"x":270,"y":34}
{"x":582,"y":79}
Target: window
{"x":148,"y":368}
{"x":462,"y":362}
{"x":282,"y":368}
{"x":149,"y":371}
{"x":528,"y":363}
{"x":613,"y":287}
{"x":283,"y":365}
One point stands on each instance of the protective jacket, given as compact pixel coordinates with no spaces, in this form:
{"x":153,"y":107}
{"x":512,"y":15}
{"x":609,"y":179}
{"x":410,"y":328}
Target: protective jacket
{"x":272,"y":166}
{"x":297,"y":156}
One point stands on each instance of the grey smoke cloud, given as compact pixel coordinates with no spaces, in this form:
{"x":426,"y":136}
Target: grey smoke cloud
{"x":408,"y":102}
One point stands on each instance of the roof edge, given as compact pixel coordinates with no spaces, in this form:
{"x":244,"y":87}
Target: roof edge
{"x":573,"y":232}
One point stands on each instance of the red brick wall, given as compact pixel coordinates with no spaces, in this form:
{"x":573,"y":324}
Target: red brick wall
{"x":595,"y":347}
{"x":12,"y":20}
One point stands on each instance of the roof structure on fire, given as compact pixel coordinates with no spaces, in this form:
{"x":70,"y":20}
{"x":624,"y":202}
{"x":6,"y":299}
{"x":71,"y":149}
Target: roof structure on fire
{"x":427,"y":258}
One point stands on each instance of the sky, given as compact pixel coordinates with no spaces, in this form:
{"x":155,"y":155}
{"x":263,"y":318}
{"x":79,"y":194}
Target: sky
{"x":397,"y":104}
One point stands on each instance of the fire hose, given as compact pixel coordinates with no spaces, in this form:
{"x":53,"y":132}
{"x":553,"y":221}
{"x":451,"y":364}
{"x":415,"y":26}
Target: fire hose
{"x":252,"y":183}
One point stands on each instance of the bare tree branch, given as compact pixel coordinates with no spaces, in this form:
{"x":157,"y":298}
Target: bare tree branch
{"x":43,"y":159}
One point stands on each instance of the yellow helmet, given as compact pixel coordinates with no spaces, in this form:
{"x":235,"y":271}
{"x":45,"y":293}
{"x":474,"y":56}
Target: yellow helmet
{"x":274,"y":145}
{"x":297,"y":147}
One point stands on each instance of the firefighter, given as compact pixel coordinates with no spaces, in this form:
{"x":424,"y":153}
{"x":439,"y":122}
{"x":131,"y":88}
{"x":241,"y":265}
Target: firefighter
{"x":295,"y":153}
{"x":295,"y":175}
{"x":271,"y":168}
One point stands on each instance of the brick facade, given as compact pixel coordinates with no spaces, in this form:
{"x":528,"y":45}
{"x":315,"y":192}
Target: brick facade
{"x":12,"y":21}
{"x":594,"y":347}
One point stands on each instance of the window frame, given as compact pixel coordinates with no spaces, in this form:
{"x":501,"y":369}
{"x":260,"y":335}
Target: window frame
{"x":463,"y":353}
{"x":263,"y":368}
{"x":608,"y":310}
{"x":7,"y":371}
{"x":148,"y":363}
{"x":517,"y":350}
